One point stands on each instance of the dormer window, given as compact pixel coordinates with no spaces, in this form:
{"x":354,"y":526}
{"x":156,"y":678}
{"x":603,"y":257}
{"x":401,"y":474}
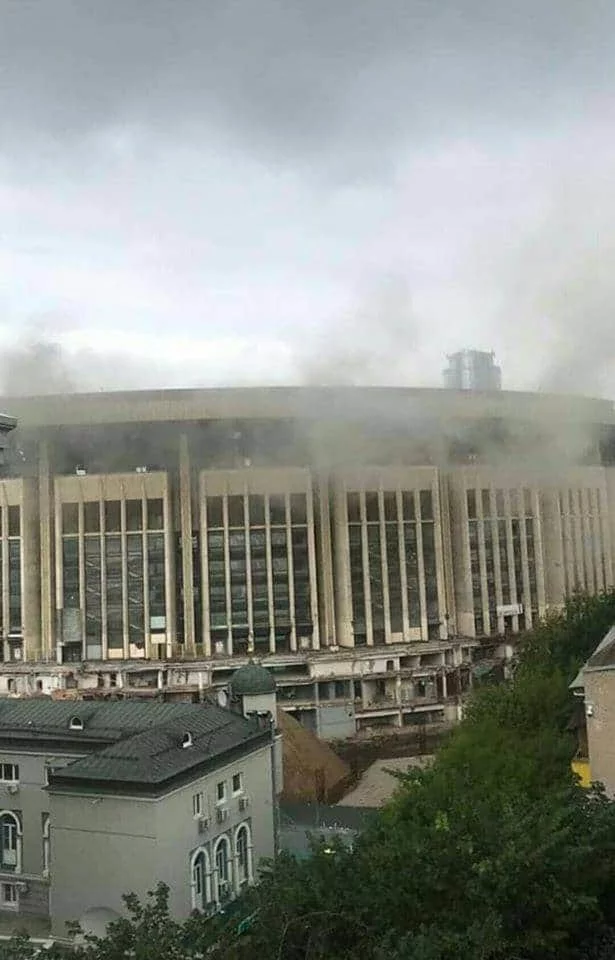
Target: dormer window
{"x":187,"y":740}
{"x":75,"y":723}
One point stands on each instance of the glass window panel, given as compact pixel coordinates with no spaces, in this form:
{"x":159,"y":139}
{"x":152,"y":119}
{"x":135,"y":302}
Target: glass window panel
{"x":375,"y":577}
{"x":412,"y":574}
{"x":301,"y":574}
{"x":471,"y":502}
{"x":408,"y":504}
{"x":70,"y":518}
{"x":156,"y":576}
{"x":70,"y":572}
{"x":236,"y":516}
{"x":136,"y":611}
{"x":134,"y":515}
{"x":298,"y":508}
{"x":91,"y":516}
{"x":527,"y":502}
{"x":215,"y":513}
{"x":112,"y":516}
{"x":14,"y":521}
{"x":93,"y":590}
{"x":15,"y":586}
{"x":113,"y":569}
{"x":394,"y":574}
{"x":277,"y":509}
{"x":429,"y":561}
{"x":426,"y":505}
{"x":372,"y":511}
{"x":155,"y":514}
{"x":390,"y":506}
{"x":353,"y":501}
{"x":256,"y":505}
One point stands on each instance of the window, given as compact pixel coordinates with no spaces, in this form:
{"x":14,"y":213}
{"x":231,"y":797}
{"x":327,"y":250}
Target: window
{"x":46,"y":845}
{"x":237,"y":782}
{"x":8,"y":896}
{"x":200,"y":880}
{"x":9,"y":772}
{"x":134,"y":515}
{"x":10,"y":842}
{"x":155,"y":514}
{"x":243,"y":855}
{"x":113,"y":513}
{"x":14,"y":521}
{"x":70,"y":518}
{"x":223,"y":869}
{"x":91,"y":516}
{"x":221,"y":791}
{"x":197,"y":805}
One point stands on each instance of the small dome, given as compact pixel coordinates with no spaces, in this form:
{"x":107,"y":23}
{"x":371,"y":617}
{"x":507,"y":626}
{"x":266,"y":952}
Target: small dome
{"x":252,"y":680}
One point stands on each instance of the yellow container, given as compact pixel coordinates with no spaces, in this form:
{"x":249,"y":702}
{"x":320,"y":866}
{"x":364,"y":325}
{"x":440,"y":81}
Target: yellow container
{"x":581,"y":768}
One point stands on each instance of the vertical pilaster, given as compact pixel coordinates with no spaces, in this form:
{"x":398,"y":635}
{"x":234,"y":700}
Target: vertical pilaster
{"x":48,"y":611}
{"x":185,"y":526}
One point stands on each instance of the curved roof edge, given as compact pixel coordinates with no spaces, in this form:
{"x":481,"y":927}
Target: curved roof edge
{"x":307,"y":402}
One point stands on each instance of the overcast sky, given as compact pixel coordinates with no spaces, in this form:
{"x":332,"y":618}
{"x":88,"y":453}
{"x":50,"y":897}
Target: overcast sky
{"x":199,"y":192}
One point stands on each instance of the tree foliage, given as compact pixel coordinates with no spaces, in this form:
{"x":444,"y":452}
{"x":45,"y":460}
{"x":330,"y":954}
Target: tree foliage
{"x":494,"y":853}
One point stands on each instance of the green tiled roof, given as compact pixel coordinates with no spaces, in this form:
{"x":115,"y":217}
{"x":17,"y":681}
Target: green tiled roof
{"x":141,"y":741}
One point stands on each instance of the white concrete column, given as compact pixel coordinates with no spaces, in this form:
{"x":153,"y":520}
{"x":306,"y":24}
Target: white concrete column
{"x":384,"y":567}
{"x":205,"y":626}
{"x":185,"y":526}
{"x":104,"y":642}
{"x":586,"y":526}
{"x":367,"y":586}
{"x":482,"y":559}
{"x":227,"y":576}
{"x":312,"y":567}
{"x":539,"y":554}
{"x":402,"y":565}
{"x":421,"y":565}
{"x":291,"y":575}
{"x":341,"y":558}
{"x":48,"y":609}
{"x":124,"y":547}
{"x":439,"y":553}
{"x":269,"y":560}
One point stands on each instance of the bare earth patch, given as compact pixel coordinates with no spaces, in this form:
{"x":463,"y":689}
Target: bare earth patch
{"x":376,"y":786}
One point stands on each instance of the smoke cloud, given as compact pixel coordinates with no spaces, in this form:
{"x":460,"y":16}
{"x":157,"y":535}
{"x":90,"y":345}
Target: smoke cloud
{"x":371,"y":345}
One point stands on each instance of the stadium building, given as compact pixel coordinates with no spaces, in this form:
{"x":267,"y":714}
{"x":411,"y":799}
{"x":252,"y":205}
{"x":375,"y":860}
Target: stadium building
{"x":360,"y":542}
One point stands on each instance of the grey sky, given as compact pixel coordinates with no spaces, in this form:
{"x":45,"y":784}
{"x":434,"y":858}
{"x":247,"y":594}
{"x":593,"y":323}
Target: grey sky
{"x":203,"y":192}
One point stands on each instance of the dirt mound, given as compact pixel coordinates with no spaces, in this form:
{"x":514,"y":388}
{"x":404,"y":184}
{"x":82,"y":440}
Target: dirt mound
{"x":312,"y":771}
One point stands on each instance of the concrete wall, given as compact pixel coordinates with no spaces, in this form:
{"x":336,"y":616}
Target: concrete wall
{"x":103,"y":846}
{"x":600,"y":710}
{"x":30,"y":802}
{"x":336,"y":721}
{"x":591,"y":533}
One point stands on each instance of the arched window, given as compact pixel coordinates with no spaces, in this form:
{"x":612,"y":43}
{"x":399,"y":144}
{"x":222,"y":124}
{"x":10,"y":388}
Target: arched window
{"x":200,"y":878}
{"x":224,"y":869}
{"x":10,"y":841}
{"x":243,"y":855}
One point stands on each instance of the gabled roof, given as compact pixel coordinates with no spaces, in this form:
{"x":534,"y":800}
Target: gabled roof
{"x":602,"y":658}
{"x":130,"y":741}
{"x":156,"y":755}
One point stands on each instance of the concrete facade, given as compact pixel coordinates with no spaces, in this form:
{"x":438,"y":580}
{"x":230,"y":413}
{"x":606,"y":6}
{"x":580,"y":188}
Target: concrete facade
{"x":98,"y":800}
{"x":161,"y":539}
{"x":137,"y":839}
